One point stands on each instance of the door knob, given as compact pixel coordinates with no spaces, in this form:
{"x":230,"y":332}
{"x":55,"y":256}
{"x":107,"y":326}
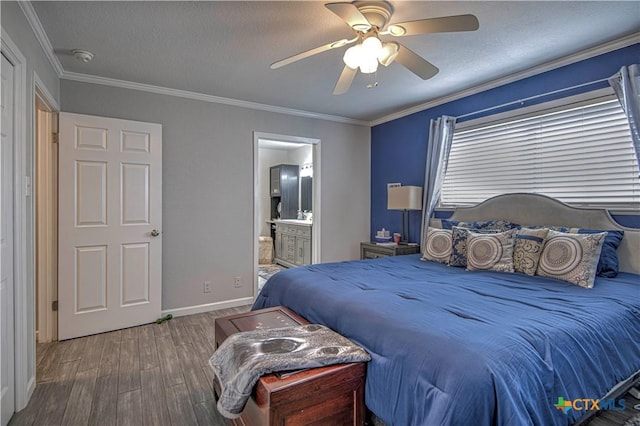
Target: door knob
{"x":155,"y":233}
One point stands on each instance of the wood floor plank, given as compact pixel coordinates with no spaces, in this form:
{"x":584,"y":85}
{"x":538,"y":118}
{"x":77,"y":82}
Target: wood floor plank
{"x":78,"y":408}
{"x":27,"y":416}
{"x":154,"y":399}
{"x":148,"y":350}
{"x":194,"y":377}
{"x":130,"y":333}
{"x":105,"y":401}
{"x":169,"y":362}
{"x":179,"y":403}
{"x":92,"y":352}
{"x":41,"y":351}
{"x":161,"y":330}
{"x":55,"y":400}
{"x":48,"y":367}
{"x":129,"y":368}
{"x":201,"y":345}
{"x":130,"y":408}
{"x":75,"y":350}
{"x":178,"y":334}
{"x":110,"y":359}
{"x":207,"y":414}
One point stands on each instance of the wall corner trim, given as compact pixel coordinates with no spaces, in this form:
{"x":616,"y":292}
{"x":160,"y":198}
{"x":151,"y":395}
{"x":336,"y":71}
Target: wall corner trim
{"x":41,"y":35}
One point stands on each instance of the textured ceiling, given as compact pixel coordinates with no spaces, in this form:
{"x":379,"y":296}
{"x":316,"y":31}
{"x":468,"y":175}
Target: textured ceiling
{"x":225,"y":48}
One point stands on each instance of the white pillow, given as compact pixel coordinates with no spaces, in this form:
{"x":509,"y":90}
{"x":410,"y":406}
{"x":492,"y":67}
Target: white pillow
{"x":571,"y":257}
{"x":438,"y":246}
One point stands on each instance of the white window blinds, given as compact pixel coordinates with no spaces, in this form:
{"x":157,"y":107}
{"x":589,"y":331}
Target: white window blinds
{"x":580,"y":155}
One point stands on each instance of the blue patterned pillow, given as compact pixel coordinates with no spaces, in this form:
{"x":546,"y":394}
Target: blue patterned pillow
{"x":488,"y":225}
{"x":527,"y":249}
{"x":608,"y":263}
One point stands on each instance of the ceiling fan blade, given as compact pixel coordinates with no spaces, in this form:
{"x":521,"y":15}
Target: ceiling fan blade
{"x":416,"y":64}
{"x":434,"y":25}
{"x":345,"y":80}
{"x":350,"y":14}
{"x":312,"y":52}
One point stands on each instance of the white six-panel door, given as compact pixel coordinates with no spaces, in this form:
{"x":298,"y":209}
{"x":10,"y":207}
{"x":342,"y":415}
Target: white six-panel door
{"x":7,"y":342}
{"x":110,"y":218}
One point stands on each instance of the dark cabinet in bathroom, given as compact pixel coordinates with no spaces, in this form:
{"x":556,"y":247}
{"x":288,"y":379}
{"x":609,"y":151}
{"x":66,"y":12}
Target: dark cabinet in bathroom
{"x":284,"y":191}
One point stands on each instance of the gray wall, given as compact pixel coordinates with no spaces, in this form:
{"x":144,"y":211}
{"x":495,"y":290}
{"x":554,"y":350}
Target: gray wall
{"x":208,"y":184}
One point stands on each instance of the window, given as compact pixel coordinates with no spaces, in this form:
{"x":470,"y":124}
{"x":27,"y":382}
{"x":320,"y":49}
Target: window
{"x":581,"y":154}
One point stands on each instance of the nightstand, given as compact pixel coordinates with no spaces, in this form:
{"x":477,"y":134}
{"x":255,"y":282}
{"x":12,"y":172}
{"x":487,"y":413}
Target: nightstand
{"x":375,"y":251}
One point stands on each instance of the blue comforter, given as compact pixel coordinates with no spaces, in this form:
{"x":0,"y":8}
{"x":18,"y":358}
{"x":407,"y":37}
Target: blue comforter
{"x":451,"y":347}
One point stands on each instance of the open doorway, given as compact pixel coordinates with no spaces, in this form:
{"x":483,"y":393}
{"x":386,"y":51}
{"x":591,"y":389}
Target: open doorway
{"x":286,"y":204}
{"x":46,"y":217}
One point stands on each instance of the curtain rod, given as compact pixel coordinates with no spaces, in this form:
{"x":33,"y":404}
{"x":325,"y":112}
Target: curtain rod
{"x":520,"y":101}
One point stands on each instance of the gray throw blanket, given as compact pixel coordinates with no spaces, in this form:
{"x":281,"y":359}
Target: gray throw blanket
{"x":241,"y":359}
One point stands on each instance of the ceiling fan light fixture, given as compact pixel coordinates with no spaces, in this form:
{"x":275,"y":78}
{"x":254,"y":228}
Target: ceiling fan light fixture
{"x":396,"y":30}
{"x":372,"y":45}
{"x":352,"y":57}
{"x":388,"y":53}
{"x":369,"y":65}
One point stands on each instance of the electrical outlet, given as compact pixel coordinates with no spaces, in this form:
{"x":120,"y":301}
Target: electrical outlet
{"x":238,"y":282}
{"x":207,"y":287}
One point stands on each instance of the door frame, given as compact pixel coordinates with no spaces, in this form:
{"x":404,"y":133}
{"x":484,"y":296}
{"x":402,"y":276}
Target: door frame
{"x":317,"y":216}
{"x":47,"y":319}
{"x":23,"y":234}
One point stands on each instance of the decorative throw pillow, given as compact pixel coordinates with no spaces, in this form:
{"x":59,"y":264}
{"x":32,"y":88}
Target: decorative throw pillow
{"x":490,"y":252}
{"x":459,"y":245}
{"x":608,"y":262}
{"x":484,"y":225}
{"x":571,"y":257}
{"x":527,"y":249}
{"x":438,"y":247}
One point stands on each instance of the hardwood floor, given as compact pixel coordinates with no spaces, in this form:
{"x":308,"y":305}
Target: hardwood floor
{"x":155,"y":374}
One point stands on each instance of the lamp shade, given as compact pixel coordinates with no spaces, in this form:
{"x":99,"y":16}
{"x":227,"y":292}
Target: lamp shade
{"x":405,"y":198}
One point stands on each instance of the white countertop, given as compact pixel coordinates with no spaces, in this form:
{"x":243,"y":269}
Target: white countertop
{"x":294,"y":221}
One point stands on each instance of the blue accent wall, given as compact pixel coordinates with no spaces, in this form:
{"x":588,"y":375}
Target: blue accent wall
{"x":398,"y":147}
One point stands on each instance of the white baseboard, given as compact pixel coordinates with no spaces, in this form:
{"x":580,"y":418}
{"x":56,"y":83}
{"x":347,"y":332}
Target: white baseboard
{"x":207,"y":307}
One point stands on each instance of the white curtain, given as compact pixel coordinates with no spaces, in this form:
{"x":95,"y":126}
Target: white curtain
{"x":440,"y":137}
{"x":626,"y":84}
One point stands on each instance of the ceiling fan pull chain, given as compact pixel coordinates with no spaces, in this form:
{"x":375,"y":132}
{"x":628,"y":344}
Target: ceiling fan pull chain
{"x":373,"y":78}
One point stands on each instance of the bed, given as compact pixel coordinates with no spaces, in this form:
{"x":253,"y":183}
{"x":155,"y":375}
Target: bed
{"x":451,"y":346}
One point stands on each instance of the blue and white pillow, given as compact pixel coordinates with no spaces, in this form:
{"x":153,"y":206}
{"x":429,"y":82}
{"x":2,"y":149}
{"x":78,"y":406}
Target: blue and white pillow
{"x":571,"y":257}
{"x":490,"y":252}
{"x":438,"y":245}
{"x":527,"y":249}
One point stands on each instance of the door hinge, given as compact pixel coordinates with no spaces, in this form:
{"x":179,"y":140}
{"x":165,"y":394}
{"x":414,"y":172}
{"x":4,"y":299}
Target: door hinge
{"x":54,"y":137}
{"x":54,"y":305}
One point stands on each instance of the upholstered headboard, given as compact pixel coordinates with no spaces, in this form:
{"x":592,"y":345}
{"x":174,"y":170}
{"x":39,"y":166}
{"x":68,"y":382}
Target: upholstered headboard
{"x":536,"y":209}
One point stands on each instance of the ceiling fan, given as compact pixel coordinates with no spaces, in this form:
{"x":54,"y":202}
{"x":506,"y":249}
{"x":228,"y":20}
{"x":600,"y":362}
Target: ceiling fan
{"x":367,"y":19}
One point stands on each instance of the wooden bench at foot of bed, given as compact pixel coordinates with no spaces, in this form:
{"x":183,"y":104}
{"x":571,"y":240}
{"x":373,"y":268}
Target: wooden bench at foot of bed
{"x":331,"y":396}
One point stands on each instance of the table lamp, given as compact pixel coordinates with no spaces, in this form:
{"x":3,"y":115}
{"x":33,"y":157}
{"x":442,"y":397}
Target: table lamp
{"x":405,"y":198}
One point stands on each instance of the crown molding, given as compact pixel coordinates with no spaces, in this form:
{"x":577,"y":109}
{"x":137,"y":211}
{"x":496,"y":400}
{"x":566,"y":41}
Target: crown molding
{"x":43,"y":39}
{"x":548,"y":66}
{"x":41,"y":35}
{"x":106,"y":81}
